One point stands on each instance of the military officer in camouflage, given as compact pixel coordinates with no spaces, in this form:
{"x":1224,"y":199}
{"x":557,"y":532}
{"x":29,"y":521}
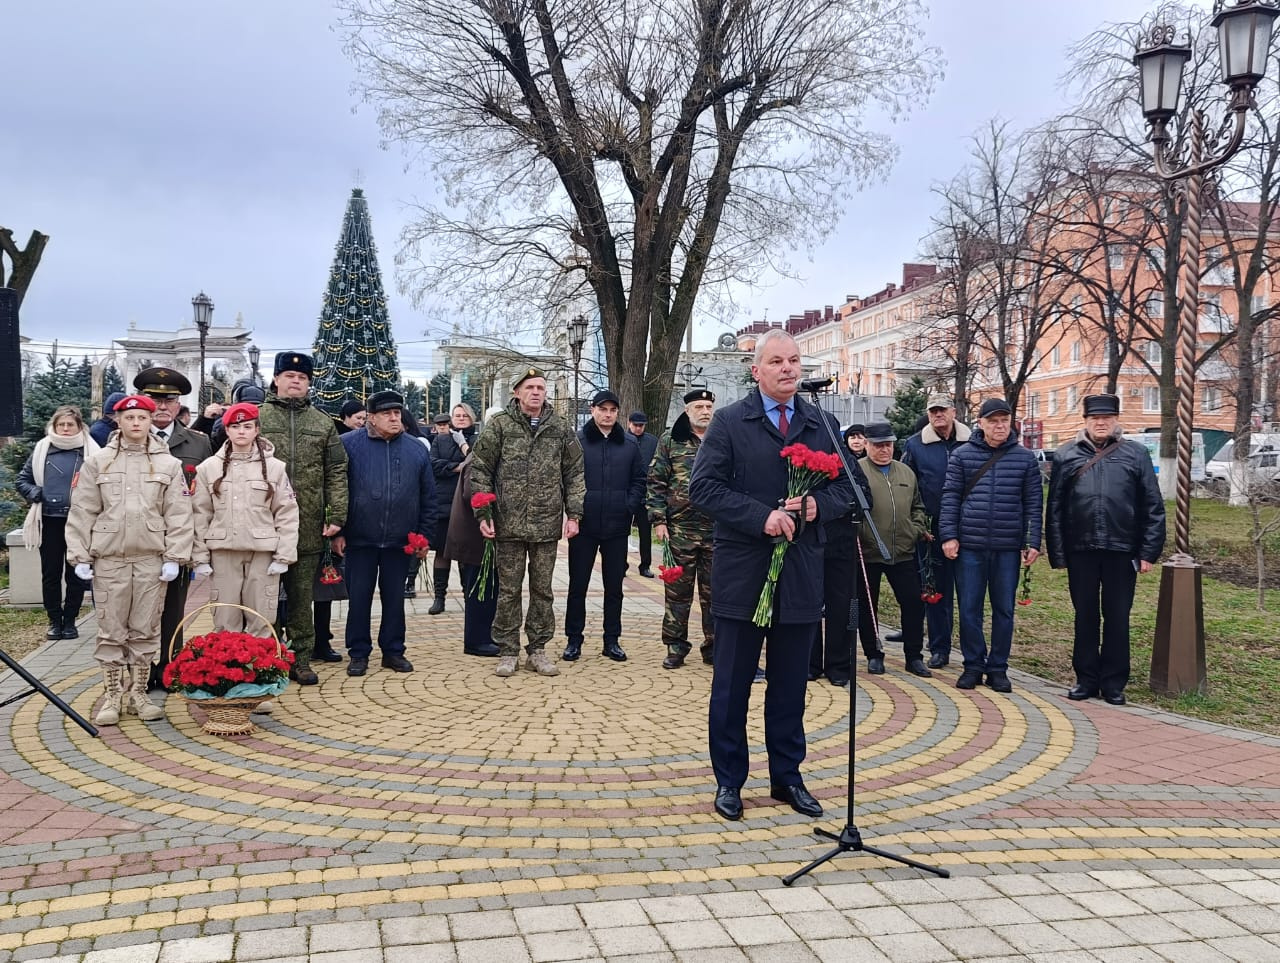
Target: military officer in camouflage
{"x":519,"y":456}
{"x":306,"y":440}
{"x":686,"y":529}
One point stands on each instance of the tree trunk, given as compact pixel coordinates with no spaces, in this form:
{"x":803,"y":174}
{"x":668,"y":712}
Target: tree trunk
{"x":25,"y":260}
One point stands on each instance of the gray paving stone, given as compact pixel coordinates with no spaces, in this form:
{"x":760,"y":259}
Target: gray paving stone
{"x":1204,"y":924}
{"x":415,"y":930}
{"x":371,"y":954}
{"x":1035,"y":937}
{"x":483,"y":925}
{"x":125,"y":954}
{"x":675,"y":909}
{"x":508,"y":949}
{"x":202,"y":949}
{"x":694,"y":934}
{"x":856,"y":950}
{"x":421,"y":953}
{"x":556,"y":945}
{"x":1192,"y":952}
{"x":546,"y":919}
{"x":331,"y":937}
{"x":627,"y":940}
{"x":912,"y":948}
{"x":781,"y":953}
{"x":614,"y":914}
{"x":974,"y":943}
{"x":876,"y":921}
{"x":262,"y":945}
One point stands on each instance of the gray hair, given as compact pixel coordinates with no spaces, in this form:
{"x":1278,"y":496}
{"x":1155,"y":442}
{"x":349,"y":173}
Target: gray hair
{"x":773,"y":334}
{"x":471,"y":412}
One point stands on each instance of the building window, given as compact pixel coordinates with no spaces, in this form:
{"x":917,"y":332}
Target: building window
{"x":1260,"y":303}
{"x":1075,"y":352}
{"x":1073,"y":398}
{"x":1077,"y":305}
{"x":1151,"y":350}
{"x":1033,"y":406}
{"x":1151,"y":399}
{"x":1115,"y":257}
{"x":1210,"y":399}
{"x":1155,"y":259}
{"x":1053,"y":401}
{"x":1155,"y":306}
{"x":1056,"y":355}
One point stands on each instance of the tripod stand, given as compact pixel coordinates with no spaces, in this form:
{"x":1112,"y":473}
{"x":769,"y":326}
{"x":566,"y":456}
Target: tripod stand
{"x":849,"y":839}
{"x":44,"y":690}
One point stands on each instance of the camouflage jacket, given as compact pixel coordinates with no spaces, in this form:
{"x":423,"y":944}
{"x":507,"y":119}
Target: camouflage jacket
{"x":667,"y":495}
{"x":306,"y":440}
{"x":537,"y":475}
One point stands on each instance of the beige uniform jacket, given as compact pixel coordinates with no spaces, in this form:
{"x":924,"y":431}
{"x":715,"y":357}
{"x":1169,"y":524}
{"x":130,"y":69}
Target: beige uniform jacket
{"x":249,"y":513}
{"x":130,"y":501}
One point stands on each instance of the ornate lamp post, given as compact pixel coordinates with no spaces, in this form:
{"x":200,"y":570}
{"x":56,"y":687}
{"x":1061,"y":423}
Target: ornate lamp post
{"x":255,"y":353}
{"x":1244,"y":36}
{"x":201,"y":311}
{"x":577,"y":338}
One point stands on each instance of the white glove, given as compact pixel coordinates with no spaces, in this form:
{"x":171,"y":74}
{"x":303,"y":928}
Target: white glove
{"x":203,"y":569}
{"x":84,"y":571}
{"x":458,"y":438}
{"x":168,"y":571}
{"x":277,"y":568}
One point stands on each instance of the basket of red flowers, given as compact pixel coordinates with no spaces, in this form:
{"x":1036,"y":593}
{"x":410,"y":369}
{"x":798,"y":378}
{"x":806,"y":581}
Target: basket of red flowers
{"x":228,"y":674}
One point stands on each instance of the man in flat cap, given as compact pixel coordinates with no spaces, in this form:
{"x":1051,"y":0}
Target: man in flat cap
{"x":165,"y":387}
{"x":614,"y":476}
{"x":530,"y":458}
{"x":306,"y":440}
{"x":1105,"y":524}
{"x":637,"y":424}
{"x":686,"y":529}
{"x":391,"y":471}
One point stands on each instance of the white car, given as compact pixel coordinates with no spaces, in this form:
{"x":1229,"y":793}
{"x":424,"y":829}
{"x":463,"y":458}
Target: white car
{"x":1219,"y":467}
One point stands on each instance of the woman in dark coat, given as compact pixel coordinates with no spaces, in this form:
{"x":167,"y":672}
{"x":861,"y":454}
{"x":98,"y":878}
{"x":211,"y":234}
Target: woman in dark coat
{"x":465,"y":545}
{"x":447,"y":453}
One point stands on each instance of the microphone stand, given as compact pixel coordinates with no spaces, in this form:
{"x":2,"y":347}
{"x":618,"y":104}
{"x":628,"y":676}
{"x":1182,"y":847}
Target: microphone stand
{"x":849,"y":839}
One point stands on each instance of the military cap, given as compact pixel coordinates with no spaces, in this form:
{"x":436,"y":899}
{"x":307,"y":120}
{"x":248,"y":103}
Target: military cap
{"x":939,"y":400}
{"x":162,"y":381}
{"x":241,"y":411}
{"x":526,"y":375}
{"x":135,"y":403}
{"x":698,"y":394}
{"x":293,"y":361}
{"x":385,"y":401}
{"x":1101,"y":405}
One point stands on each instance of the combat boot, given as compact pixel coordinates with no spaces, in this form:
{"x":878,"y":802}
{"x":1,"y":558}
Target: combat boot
{"x":539,"y":662}
{"x":507,"y":666}
{"x":136,"y":698}
{"x":113,"y":682}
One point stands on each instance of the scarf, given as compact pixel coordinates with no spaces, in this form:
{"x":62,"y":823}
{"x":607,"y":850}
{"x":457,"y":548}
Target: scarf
{"x":33,"y":528}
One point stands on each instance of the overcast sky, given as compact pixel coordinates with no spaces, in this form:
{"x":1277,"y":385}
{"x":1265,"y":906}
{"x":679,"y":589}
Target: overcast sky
{"x":171,"y":148}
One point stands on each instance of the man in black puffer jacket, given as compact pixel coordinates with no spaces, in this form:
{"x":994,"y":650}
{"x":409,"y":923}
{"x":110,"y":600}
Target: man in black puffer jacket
{"x":615,"y":477}
{"x":1105,"y":524}
{"x":990,"y":520}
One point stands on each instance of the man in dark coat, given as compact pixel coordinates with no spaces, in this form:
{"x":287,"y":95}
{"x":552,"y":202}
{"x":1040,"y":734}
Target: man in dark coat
{"x":740,"y":480}
{"x":637,"y":421}
{"x":614,"y":474}
{"x":165,"y":387}
{"x":101,"y":429}
{"x":990,"y":525}
{"x":394,"y":496}
{"x":1105,"y":525}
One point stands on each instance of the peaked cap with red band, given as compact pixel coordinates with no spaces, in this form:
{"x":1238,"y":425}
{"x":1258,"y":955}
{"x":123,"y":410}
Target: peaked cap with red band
{"x":131,"y":402}
{"x":239,"y":412}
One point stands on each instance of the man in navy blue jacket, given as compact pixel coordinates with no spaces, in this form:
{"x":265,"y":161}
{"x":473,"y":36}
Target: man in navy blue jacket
{"x":614,"y":472}
{"x":392,"y":494}
{"x":990,"y":525}
{"x":741,"y":482}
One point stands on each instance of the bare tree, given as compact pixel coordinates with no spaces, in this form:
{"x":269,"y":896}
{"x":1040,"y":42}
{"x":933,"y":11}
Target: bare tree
{"x":23,"y":261}
{"x":645,"y":149}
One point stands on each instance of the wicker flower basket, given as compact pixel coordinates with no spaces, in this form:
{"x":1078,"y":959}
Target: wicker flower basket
{"x":227,"y":717}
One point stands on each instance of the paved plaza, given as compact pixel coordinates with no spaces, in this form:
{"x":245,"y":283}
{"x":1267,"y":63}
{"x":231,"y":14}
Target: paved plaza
{"x":449,"y":815}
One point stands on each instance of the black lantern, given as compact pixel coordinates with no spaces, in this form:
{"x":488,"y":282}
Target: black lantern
{"x":1244,"y":39}
{"x":255,"y":354}
{"x":1160,"y":69}
{"x":202,"y":313}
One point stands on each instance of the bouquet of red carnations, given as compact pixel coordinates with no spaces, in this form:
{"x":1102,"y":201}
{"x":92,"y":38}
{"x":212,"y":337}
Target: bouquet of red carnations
{"x":806,"y":470}
{"x":482,"y":505}
{"x":229,"y":665}
{"x":418,"y":545}
{"x":669,"y":571}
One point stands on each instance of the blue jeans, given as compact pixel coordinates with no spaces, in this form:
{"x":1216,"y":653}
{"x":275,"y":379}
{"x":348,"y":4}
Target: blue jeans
{"x":993,"y":574}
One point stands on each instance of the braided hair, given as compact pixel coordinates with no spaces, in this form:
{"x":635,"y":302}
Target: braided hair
{"x":258,"y":443}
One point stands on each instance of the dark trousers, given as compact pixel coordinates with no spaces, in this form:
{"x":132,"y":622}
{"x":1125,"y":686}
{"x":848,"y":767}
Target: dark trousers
{"x":995,"y":575}
{"x":613,"y":564}
{"x":738,"y":644}
{"x":54,"y":570}
{"x":645,"y":533}
{"x":905,"y":582}
{"x":940,"y":616}
{"x":385,"y":569}
{"x":477,"y":618}
{"x":323,"y":617}
{"x":830,"y":653}
{"x":1101,"y":658}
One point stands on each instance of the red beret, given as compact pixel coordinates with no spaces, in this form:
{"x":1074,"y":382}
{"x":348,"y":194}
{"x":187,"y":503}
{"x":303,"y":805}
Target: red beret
{"x":240,"y":411}
{"x":131,"y":402}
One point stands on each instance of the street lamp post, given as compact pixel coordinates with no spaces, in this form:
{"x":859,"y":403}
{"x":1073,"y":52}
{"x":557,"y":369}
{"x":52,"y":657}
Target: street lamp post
{"x":202,"y":311}
{"x":1244,"y":36}
{"x":577,"y":338}
{"x":255,"y":353}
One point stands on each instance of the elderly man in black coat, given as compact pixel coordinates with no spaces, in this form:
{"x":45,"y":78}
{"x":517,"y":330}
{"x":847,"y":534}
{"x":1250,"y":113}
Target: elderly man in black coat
{"x":740,"y":480}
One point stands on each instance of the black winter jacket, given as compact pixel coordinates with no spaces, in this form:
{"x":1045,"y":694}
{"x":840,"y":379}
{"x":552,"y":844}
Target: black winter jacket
{"x":615,"y":474}
{"x":1004,"y":511}
{"x":927,"y":455}
{"x":392,"y":492}
{"x":101,"y":430}
{"x":446,"y":457}
{"x":60,"y":468}
{"x":1115,"y":506}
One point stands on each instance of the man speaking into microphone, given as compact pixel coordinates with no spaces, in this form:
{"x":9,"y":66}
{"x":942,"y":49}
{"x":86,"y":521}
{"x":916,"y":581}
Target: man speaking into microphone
{"x":740,"y":480}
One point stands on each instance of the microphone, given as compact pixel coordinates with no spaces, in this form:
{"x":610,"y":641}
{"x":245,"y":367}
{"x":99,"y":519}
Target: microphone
{"x":816,"y":384}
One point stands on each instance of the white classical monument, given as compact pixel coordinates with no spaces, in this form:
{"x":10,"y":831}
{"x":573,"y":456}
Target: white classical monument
{"x":180,"y":350}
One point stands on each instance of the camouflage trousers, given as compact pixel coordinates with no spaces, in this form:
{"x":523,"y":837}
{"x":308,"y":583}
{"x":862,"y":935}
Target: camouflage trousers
{"x":300,"y":626}
{"x":694,"y":554}
{"x":509,"y":558}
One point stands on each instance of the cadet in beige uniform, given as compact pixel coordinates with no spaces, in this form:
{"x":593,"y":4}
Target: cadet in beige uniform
{"x":130,"y":521}
{"x":247,"y":523}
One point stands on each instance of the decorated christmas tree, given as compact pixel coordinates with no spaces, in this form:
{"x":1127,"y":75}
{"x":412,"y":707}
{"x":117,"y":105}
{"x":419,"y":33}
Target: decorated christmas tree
{"x":355,"y":354}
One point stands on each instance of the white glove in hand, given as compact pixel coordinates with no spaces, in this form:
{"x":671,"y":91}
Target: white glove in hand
{"x":168,"y":571}
{"x":84,"y":571}
{"x":203,"y":569}
{"x":277,"y":568}
{"x":458,"y":438}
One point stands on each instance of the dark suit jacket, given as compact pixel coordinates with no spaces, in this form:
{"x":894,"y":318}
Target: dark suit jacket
{"x":189,"y":447}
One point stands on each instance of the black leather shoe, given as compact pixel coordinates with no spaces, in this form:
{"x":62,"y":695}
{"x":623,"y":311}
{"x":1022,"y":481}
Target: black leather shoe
{"x":304,"y":676}
{"x":813,"y":676}
{"x":999,"y":682}
{"x":729,"y":803}
{"x":328,"y":655}
{"x":969,"y":679}
{"x":798,"y":798}
{"x":614,"y":651}
{"x":357,"y":666}
{"x":916,"y":667}
{"x":894,"y":636}
{"x":1080,"y":692}
{"x":840,"y":680}
{"x":397,"y":663}
{"x":1113,"y":698}
{"x":485,"y":650}
{"x":646,"y":571}
{"x":673,"y":660}
{"x":875,"y":665}
{"x":55,"y":629}
{"x":572,"y":652}
{"x":938,"y":661}
{"x":69,"y":630}
{"x":410,"y":592}
{"x":707,"y":656}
